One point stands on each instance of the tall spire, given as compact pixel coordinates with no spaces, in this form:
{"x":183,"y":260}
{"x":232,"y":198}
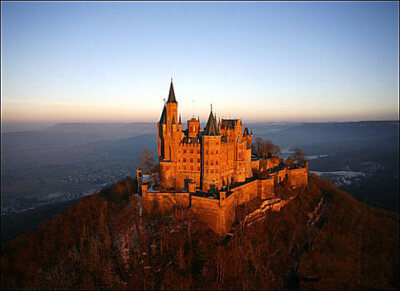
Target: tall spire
{"x":171,"y":96}
{"x":211,"y":127}
{"x":180,"y":120}
{"x":163,"y":118}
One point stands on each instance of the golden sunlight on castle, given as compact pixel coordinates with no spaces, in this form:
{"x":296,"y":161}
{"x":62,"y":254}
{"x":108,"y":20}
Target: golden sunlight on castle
{"x":211,"y":171}
{"x":210,"y":159}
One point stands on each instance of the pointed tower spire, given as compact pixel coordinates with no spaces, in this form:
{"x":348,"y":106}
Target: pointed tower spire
{"x":180,"y":119}
{"x":211,"y":127}
{"x":171,"y":96}
{"x":163,"y":118}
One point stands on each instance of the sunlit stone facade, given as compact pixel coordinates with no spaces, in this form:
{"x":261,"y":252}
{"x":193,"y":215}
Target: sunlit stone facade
{"x":211,"y":158}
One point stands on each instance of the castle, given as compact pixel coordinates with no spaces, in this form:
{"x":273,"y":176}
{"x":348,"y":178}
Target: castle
{"x":211,"y":171}
{"x":209,"y":159}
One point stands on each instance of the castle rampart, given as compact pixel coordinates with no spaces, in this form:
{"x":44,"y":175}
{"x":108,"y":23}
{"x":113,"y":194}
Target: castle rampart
{"x":219,"y":212}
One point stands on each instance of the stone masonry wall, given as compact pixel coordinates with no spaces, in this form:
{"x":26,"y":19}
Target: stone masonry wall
{"x":219,"y":214}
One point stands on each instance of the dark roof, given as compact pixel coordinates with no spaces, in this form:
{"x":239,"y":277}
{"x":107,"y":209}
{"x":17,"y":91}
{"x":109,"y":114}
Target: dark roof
{"x":228,"y":123}
{"x":191,"y":140}
{"x":163,"y":118}
{"x":211,"y":127}
{"x":171,"y":96}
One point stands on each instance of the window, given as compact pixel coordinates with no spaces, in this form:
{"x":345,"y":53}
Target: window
{"x":184,"y":167}
{"x":216,"y":162}
{"x":206,"y":143}
{"x":212,"y":171}
{"x":207,"y":171}
{"x":184,"y":160}
{"x":212,"y":163}
{"x":216,"y":152}
{"x":198,"y":168}
{"x":207,"y":163}
{"x":179,"y":160}
{"x":198,"y":160}
{"x":191,"y":160}
{"x":206,"y":152}
{"x":198,"y":151}
{"x":191,"y":151}
{"x":216,"y":171}
{"x":184,"y":151}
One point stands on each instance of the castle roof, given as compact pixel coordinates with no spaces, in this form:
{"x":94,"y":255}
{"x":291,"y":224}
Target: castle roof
{"x":211,"y":127}
{"x":163,"y":118}
{"x":171,"y":96}
{"x":228,"y":123}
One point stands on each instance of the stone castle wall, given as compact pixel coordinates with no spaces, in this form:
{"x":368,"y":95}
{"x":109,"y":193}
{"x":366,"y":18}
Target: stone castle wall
{"x":219,"y":214}
{"x":164,"y":201}
{"x":298,"y":177}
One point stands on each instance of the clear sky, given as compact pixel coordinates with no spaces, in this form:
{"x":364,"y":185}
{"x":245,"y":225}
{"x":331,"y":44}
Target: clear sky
{"x":271,"y":61}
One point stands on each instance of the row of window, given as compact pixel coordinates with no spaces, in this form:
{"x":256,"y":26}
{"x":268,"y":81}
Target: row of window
{"x":217,"y":144}
{"x":191,"y":160}
{"x":191,"y":168}
{"x":191,"y":151}
{"x":198,"y":160}
{"x":198,"y":151}
{"x":212,"y":171}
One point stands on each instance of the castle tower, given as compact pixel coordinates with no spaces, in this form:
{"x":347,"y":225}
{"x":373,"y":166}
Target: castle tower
{"x":169,"y":136}
{"x":168,"y":129}
{"x":193,"y":127}
{"x":162,"y":127}
{"x":211,"y":150}
{"x":172,"y":106}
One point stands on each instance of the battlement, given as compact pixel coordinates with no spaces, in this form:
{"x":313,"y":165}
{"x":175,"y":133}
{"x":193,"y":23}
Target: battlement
{"x":217,"y":209}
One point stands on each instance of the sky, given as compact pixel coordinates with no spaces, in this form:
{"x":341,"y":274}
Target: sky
{"x":259,"y":61}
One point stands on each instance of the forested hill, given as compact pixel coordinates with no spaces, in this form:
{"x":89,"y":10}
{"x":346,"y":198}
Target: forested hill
{"x":105,"y":242}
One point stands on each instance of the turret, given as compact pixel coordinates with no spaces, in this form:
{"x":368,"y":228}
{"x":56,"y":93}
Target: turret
{"x":180,"y":124}
{"x":211,"y":127}
{"x":193,"y":127}
{"x":172,"y":105}
{"x":211,"y":150}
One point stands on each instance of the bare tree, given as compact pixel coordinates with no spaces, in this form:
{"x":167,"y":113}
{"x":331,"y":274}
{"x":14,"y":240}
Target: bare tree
{"x":298,"y":156}
{"x":263,"y":149}
{"x":289,"y":162}
{"x":147,"y":161}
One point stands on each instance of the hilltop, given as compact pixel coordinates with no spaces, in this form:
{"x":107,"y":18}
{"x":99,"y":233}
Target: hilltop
{"x":323,"y":238}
